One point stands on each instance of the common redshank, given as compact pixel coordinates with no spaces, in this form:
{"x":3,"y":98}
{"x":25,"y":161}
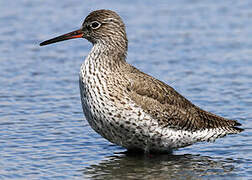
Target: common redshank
{"x":130,"y":108}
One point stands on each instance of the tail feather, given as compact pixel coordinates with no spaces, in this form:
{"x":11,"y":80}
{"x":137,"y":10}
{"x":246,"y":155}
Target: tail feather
{"x":237,"y":128}
{"x":214,"y":121}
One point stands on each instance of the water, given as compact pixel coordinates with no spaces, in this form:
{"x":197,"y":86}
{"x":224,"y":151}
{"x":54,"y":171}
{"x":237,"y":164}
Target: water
{"x":201,"y":48}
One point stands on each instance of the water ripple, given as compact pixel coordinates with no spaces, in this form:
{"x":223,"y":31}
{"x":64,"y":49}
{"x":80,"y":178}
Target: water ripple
{"x":201,"y":48}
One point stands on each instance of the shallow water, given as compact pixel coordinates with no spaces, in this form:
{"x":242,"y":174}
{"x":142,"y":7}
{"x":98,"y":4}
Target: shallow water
{"x":202,"y":49}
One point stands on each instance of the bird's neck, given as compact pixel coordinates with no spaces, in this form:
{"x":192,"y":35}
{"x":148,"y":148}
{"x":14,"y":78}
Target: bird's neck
{"x":106,"y":56}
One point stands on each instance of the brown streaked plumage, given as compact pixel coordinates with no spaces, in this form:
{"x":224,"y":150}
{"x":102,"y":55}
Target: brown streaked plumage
{"x":167,"y":105}
{"x":129,"y":107}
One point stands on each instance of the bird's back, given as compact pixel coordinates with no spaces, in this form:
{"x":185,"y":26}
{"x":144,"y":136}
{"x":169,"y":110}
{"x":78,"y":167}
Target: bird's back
{"x":169,"y":107}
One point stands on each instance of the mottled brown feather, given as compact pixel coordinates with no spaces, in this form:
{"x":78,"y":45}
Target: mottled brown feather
{"x":170,"y":108}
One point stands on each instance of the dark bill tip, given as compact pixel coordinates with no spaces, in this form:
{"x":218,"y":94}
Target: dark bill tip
{"x":71,"y":35}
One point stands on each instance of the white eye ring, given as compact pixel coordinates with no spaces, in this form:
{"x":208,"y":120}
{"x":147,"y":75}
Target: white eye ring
{"x":95,"y":25}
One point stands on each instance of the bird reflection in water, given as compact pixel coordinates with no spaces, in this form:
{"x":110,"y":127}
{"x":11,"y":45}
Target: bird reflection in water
{"x":139,"y":166}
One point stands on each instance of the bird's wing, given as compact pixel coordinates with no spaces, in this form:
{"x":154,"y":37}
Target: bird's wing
{"x":170,"y":108}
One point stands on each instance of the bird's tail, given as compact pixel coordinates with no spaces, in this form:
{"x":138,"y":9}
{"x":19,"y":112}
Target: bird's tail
{"x":213,"y":121}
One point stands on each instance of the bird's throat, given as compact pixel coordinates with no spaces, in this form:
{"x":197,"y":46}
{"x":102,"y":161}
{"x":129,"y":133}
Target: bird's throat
{"x":104,"y":56}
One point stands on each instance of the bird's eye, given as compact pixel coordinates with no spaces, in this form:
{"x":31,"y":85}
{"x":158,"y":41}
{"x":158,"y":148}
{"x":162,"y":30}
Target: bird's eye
{"x":95,"y":25}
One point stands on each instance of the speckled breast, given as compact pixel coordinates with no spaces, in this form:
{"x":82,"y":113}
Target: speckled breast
{"x":111,"y":120}
{"x":119,"y":121}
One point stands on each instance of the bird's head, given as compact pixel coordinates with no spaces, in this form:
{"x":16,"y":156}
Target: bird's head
{"x":101,"y":26}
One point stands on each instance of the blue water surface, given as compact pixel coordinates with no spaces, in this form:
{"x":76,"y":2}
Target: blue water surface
{"x":201,"y":48}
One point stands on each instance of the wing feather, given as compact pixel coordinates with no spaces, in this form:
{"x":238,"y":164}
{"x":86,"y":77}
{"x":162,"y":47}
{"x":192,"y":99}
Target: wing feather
{"x":170,"y":108}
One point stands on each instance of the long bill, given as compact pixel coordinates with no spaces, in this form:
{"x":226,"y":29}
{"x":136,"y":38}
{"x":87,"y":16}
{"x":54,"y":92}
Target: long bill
{"x":74,"y":34}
